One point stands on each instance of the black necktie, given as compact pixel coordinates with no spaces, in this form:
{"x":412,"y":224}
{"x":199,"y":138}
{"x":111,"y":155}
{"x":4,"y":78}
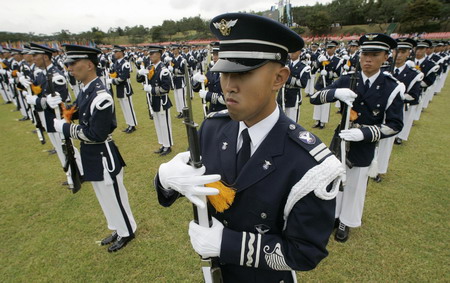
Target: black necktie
{"x":244,"y":153}
{"x":366,"y":85}
{"x":397,"y":72}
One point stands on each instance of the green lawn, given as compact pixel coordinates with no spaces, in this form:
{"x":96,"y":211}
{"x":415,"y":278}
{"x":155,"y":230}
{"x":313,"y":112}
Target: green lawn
{"x":48,"y":234}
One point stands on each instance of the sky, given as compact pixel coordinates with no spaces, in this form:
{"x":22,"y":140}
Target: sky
{"x":50,"y":16}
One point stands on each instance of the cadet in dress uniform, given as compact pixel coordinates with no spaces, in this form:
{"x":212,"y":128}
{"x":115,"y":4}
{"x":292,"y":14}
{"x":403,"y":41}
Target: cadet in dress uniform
{"x":121,"y":71}
{"x":353,"y":48}
{"x":43,"y":99}
{"x":378,"y":106}
{"x":411,"y":78}
{"x":16,"y":71}
{"x":178,"y":79}
{"x":298,"y":79}
{"x":330,"y":68}
{"x":157,"y":87}
{"x":213,"y":94}
{"x":276,"y":224}
{"x":101,"y":159}
{"x":3,"y":71}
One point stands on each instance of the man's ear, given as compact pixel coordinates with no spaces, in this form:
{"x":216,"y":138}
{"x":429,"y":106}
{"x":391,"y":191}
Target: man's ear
{"x":282,"y":75}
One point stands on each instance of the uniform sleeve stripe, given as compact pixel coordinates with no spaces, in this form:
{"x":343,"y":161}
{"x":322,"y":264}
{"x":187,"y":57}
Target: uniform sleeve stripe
{"x":244,"y":236}
{"x":322,"y":154}
{"x":251,"y":249}
{"x":317,"y":149}
{"x":258,"y":249}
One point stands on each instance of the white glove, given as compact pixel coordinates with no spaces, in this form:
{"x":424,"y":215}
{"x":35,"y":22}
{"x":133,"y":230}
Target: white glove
{"x":346,"y":67}
{"x":11,"y":81}
{"x":345,"y":95}
{"x":187,"y":180}
{"x":202,"y":93}
{"x":148,"y":88}
{"x":139,"y":60}
{"x":198,"y":77}
{"x":308,"y":62}
{"x":58,"y":125}
{"x":423,"y":84}
{"x":2,"y":71}
{"x":345,"y":57}
{"x":167,"y":59}
{"x":353,"y":134}
{"x":31,"y":99}
{"x":411,"y":64}
{"x":143,"y":72}
{"x":323,"y":72}
{"x":408,"y":97}
{"x":206,"y":241}
{"x":307,"y":55}
{"x":170,"y":69}
{"x":54,"y":101}
{"x":25,"y":82}
{"x":108,"y":81}
{"x":322,"y":58}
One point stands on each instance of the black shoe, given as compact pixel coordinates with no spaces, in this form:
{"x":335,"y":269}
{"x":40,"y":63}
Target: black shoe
{"x":131,"y":129}
{"x":51,"y":151}
{"x":65,"y":183}
{"x":336,"y":223}
{"x":377,"y":178}
{"x":180,"y":115}
{"x":166,"y":151}
{"x":321,"y":126}
{"x":127,"y":129}
{"x":120,"y":243}
{"x":342,"y":233}
{"x":160,"y":150}
{"x":398,"y":141}
{"x":316,"y":125}
{"x":108,"y":240}
{"x":24,"y":119}
{"x":151,"y":117}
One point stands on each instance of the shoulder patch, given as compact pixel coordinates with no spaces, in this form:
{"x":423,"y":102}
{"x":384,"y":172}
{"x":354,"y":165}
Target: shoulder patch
{"x":309,"y":142}
{"x":219,"y":114}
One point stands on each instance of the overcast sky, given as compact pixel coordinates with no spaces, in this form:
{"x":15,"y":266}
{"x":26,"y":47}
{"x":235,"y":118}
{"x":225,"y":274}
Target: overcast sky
{"x":50,"y":16}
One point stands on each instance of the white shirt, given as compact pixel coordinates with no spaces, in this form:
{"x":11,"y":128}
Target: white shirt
{"x":258,"y":132}
{"x":371,"y":79}
{"x":84,"y":88}
{"x":400,"y":69}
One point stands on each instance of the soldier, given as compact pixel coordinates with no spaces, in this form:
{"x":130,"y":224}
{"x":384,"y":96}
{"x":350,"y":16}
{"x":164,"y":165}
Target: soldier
{"x":101,"y":159}
{"x":330,"y":68}
{"x":177,"y":63}
{"x":353,"y":48}
{"x":377,"y":105}
{"x":121,"y":79}
{"x":16,"y":71}
{"x":157,"y":85}
{"x":251,"y":148}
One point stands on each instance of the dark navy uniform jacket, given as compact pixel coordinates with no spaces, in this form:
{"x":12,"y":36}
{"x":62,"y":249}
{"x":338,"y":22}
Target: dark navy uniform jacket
{"x":333,"y":71}
{"x":379,"y":110}
{"x":97,"y":121}
{"x":428,"y":68}
{"x":214,"y":92}
{"x":122,"y":68}
{"x":354,"y":58}
{"x":59,"y":86}
{"x":161,"y":83}
{"x":411,"y":78}
{"x":178,"y":71}
{"x":292,"y":94}
{"x":255,"y":248}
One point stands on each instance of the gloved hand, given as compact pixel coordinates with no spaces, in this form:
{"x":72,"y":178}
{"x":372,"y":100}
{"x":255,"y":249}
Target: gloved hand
{"x":167,"y":59}
{"x":170,"y":69}
{"x":198,"y":77}
{"x":58,"y":125}
{"x":346,"y":67}
{"x":187,"y":180}
{"x":322,"y":58}
{"x":202,"y":93}
{"x":353,"y":134}
{"x":408,"y":97}
{"x":206,"y":241}
{"x":323,"y":72}
{"x":143,"y":72}
{"x":148,"y":88}
{"x":345,"y":95}
{"x":2,"y":71}
{"x":25,"y":81}
{"x":54,"y":101}
{"x":345,"y":57}
{"x":11,"y":81}
{"x":411,"y":63}
{"x":423,"y":84}
{"x":31,"y":99}
{"x":307,"y":55}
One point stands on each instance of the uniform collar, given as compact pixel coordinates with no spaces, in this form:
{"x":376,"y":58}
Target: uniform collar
{"x":371,"y":79}
{"x":400,"y":69}
{"x":295,"y":62}
{"x":88,"y":84}
{"x":259,"y":131}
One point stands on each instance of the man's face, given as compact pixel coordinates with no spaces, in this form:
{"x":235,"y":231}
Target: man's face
{"x":429,"y":50}
{"x":250,"y":96}
{"x":402,"y":56}
{"x":353,"y":49}
{"x":39,"y":60}
{"x":28,"y":58}
{"x":295,"y":55}
{"x":215,"y":56}
{"x":155,"y":57}
{"x":18,"y":57}
{"x":79,"y":69}
{"x":118,"y":55}
{"x":420,"y":52}
{"x":331,"y":51}
{"x":7,"y":55}
{"x":314,"y":48}
{"x":176,"y":51}
{"x":372,"y":61}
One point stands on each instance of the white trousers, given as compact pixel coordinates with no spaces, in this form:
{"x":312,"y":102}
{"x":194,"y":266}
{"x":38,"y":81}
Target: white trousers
{"x":408,"y":119}
{"x":126,"y":104}
{"x":163,"y":126}
{"x":180,"y":100}
{"x":23,"y":104}
{"x":55,"y":139}
{"x":384,"y":154}
{"x":322,"y":112}
{"x":350,"y":202}
{"x":293,"y":113}
{"x":4,"y":94}
{"x":113,"y":199}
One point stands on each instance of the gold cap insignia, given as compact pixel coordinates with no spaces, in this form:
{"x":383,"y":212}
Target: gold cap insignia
{"x":225,"y":26}
{"x":371,"y":36}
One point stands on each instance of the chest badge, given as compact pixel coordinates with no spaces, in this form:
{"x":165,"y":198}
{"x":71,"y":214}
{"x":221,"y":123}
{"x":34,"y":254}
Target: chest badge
{"x":224,"y":145}
{"x":266,"y":165}
{"x":376,"y":112}
{"x":307,"y":137}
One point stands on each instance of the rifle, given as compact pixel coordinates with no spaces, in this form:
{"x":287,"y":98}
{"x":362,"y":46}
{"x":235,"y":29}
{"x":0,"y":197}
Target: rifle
{"x":74,"y":178}
{"x":37,"y":121}
{"x":210,"y":266}
{"x":149,"y":99}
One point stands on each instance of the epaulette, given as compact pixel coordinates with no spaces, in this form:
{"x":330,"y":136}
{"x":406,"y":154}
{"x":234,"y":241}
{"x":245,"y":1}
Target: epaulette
{"x":309,"y":142}
{"x":219,"y":114}
{"x":389,"y":75}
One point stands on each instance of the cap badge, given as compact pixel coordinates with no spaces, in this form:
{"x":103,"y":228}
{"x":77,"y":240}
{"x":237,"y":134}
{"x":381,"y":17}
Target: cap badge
{"x":371,"y":36}
{"x":224,"y":145}
{"x":225,"y":26}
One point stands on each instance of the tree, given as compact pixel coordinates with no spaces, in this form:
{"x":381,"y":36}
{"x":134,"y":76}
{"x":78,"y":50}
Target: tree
{"x":422,"y":16}
{"x":319,"y":22}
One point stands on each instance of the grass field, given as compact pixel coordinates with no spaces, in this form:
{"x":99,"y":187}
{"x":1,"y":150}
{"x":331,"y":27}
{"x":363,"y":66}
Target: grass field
{"x":48,"y":234}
